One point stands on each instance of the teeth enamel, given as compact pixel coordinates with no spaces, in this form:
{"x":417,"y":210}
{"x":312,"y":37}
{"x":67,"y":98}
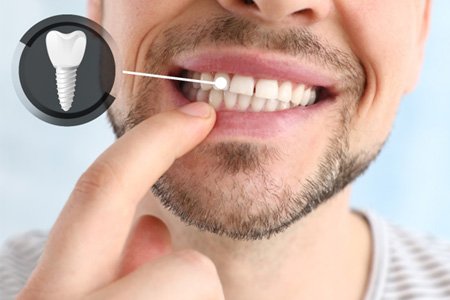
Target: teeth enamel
{"x":243,"y":85}
{"x":297,"y":94}
{"x":244,"y":93}
{"x":257,"y":104}
{"x":312,"y":97}
{"x":271,"y":105}
{"x":285,"y":91}
{"x":267,"y":89}
{"x":206,"y":77}
{"x":230,"y":99}
{"x":243,"y":102}
{"x":283,"y":105}
{"x":216,"y":98}
{"x":305,"y":99}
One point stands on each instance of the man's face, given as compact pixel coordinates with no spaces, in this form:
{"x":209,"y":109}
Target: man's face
{"x":326,"y":79}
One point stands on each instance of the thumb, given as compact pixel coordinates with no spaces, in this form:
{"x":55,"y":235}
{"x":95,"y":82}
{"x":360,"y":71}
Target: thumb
{"x":148,"y":240}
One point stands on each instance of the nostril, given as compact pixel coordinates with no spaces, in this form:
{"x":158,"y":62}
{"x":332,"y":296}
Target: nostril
{"x":249,"y":2}
{"x":306,"y":14}
{"x":306,"y":11}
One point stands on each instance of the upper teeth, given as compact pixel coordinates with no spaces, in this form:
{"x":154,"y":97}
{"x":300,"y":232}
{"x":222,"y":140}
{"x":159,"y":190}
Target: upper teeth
{"x":245,"y":92}
{"x":244,"y":85}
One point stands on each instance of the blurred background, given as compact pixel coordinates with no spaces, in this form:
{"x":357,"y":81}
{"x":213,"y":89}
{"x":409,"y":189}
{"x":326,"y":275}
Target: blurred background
{"x":40,"y":163}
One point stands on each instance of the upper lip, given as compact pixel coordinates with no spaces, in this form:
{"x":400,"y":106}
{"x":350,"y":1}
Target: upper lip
{"x":259,"y":64}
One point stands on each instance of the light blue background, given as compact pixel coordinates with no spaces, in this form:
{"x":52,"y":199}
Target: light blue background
{"x":39,"y":163}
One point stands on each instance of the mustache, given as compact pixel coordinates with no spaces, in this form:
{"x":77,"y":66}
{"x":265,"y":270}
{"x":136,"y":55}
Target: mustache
{"x":230,"y":30}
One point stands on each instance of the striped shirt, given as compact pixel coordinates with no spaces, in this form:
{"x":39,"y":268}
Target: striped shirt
{"x":405,"y":266}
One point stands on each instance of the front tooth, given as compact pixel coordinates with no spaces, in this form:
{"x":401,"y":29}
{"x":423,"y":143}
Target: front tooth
{"x":196,"y":76}
{"x":285,"y":91}
{"x":243,"y":85}
{"x":305,"y":99}
{"x":230,"y":99}
{"x":271,"y":104}
{"x":257,"y":103}
{"x":206,"y":77}
{"x":243,"y":102}
{"x":266,"y":88}
{"x":297,"y":94}
{"x":227,"y":78}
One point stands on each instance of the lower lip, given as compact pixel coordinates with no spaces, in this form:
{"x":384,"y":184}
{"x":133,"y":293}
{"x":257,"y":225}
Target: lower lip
{"x":259,"y":125}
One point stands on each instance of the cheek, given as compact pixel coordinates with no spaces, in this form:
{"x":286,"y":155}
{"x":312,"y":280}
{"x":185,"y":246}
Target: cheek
{"x":382,"y":34}
{"x":133,"y":25}
{"x":132,"y":21}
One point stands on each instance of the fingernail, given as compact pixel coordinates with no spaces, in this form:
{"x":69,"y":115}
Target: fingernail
{"x":197,"y":109}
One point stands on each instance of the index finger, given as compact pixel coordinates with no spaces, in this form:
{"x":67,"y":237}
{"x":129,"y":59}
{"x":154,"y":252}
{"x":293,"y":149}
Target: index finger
{"x":86,"y":242}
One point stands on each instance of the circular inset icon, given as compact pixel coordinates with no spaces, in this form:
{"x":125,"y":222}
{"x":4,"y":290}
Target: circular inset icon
{"x":64,"y":70}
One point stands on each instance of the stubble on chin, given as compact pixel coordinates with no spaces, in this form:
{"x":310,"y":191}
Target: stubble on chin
{"x":227,"y":188}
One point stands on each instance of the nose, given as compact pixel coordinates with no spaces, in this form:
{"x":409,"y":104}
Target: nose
{"x":304,"y":12}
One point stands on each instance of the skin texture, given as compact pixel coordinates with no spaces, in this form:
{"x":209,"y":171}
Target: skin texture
{"x":278,"y":223}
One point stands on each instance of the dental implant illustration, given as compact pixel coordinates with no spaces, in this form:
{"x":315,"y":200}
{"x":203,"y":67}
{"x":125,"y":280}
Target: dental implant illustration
{"x":66,"y":51}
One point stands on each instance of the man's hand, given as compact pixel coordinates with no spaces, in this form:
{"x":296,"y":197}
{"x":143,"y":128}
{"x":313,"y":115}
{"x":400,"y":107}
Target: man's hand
{"x":93,"y":254}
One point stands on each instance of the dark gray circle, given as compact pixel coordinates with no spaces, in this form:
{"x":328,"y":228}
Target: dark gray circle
{"x":95,"y":75}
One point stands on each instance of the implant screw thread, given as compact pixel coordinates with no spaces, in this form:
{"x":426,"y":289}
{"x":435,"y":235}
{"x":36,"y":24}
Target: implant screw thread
{"x":66,"y":81}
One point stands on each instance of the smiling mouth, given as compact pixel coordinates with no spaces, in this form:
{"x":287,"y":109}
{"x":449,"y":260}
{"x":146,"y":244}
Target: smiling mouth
{"x":249,"y":94}
{"x":256,"y":81}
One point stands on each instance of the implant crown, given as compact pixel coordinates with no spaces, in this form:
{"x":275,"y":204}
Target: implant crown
{"x":66,"y":50}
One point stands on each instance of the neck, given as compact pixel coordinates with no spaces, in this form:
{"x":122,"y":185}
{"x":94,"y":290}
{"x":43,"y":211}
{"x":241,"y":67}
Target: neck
{"x":328,"y":248}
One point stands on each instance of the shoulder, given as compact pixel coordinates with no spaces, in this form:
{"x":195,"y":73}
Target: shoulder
{"x":408,"y":265}
{"x":418,"y":265}
{"x":18,"y":257}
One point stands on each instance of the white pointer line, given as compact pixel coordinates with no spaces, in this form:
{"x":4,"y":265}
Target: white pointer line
{"x":219,"y":83}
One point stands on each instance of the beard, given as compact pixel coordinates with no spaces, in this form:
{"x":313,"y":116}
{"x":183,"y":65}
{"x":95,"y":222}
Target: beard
{"x":228,"y":188}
